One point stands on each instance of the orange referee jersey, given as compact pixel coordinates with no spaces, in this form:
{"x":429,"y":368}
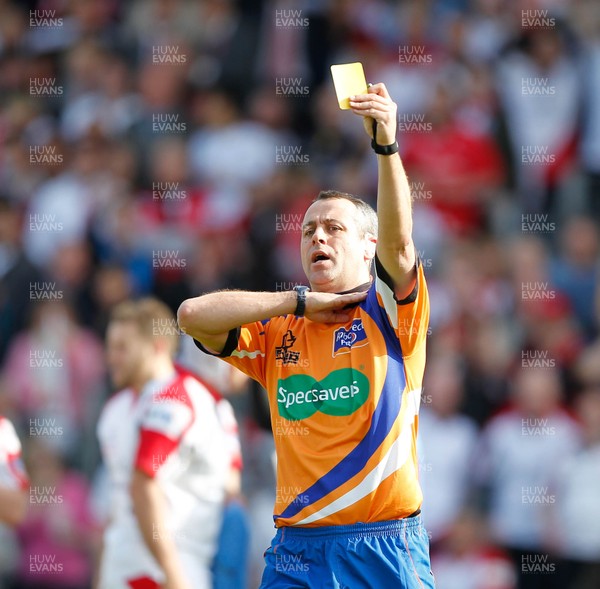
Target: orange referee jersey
{"x":344,"y":401}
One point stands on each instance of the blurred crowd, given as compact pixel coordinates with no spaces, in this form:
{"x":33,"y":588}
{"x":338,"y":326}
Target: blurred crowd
{"x":170,"y":147}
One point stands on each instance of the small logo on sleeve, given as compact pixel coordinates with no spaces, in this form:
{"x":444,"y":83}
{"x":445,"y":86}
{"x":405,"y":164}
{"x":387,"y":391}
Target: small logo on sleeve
{"x":344,"y":339}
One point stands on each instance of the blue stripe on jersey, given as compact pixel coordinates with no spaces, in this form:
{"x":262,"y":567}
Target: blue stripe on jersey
{"x":385,"y":414}
{"x":378,"y":313}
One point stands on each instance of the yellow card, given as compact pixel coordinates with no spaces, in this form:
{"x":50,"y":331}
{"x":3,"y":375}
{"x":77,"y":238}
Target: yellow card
{"x":348,"y":79}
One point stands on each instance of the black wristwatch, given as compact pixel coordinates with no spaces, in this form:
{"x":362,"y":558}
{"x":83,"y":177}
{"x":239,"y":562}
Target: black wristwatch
{"x":301,"y":298}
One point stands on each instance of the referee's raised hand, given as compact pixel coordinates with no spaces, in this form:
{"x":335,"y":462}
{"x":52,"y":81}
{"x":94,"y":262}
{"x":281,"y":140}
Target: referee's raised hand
{"x":377,"y":105}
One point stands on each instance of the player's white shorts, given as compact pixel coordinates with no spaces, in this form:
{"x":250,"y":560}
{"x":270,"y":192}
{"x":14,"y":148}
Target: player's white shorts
{"x":124,"y":571}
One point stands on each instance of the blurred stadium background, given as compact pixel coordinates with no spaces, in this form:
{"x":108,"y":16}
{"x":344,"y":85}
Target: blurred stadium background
{"x":171,"y":146}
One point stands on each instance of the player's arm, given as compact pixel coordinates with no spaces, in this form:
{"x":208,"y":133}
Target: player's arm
{"x":210,"y":318}
{"x":13,"y":505}
{"x":149,"y":507}
{"x":395,"y":249}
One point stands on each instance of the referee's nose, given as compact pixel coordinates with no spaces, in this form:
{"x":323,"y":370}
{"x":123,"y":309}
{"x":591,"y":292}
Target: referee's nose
{"x":320,"y":235}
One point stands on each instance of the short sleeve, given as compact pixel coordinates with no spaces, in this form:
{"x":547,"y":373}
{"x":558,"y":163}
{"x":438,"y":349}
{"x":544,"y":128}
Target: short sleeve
{"x":168,"y":417}
{"x":409,"y":317}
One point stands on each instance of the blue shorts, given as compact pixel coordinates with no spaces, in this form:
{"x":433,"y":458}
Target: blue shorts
{"x":380,"y":555}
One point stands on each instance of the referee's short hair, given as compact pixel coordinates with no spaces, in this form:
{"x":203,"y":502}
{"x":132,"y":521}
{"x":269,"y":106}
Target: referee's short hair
{"x":367,"y":220}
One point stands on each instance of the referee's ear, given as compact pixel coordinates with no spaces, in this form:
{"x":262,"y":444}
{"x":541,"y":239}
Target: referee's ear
{"x":370,"y":246}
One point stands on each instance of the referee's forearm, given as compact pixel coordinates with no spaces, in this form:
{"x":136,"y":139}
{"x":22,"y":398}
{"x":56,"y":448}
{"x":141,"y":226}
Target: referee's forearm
{"x":394,"y":211}
{"x":219,"y":312}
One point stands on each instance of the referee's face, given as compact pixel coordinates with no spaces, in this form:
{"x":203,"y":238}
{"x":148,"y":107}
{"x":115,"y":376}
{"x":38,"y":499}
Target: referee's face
{"x":335,"y":256}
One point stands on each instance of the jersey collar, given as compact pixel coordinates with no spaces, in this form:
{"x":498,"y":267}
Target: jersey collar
{"x":360,"y":288}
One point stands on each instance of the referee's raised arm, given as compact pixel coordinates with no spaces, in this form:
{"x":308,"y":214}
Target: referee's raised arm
{"x":395,"y":249}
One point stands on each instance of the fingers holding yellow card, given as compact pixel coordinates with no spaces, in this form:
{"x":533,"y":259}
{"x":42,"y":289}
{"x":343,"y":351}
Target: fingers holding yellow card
{"x":348,"y":80}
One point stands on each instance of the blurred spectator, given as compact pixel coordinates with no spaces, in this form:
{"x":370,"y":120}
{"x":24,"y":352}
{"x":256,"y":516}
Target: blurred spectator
{"x":118,"y":234}
{"x":52,"y":372}
{"x":162,"y":91}
{"x":21,"y":119}
{"x":251,"y":155}
{"x":449,"y":440}
{"x":489,"y":355}
{"x":417,"y":59}
{"x":46,"y":39}
{"x":539,"y":81}
{"x":466,"y":559}
{"x":488,"y":30}
{"x":84,"y":67}
{"x":58,"y":538}
{"x":460,"y":167}
{"x":587,"y":367}
{"x":578,"y":489}
{"x":590,"y":135}
{"x":550,"y":332}
{"x":521,"y":451}
{"x":205,"y":26}
{"x":17,"y":277}
{"x":12,"y":27}
{"x":60,"y":210}
{"x":111,"y":285}
{"x":576,"y":270}
{"x":174,"y":212}
{"x":110,"y":107}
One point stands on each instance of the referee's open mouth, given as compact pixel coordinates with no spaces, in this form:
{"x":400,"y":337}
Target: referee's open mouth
{"x":319,"y":258}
